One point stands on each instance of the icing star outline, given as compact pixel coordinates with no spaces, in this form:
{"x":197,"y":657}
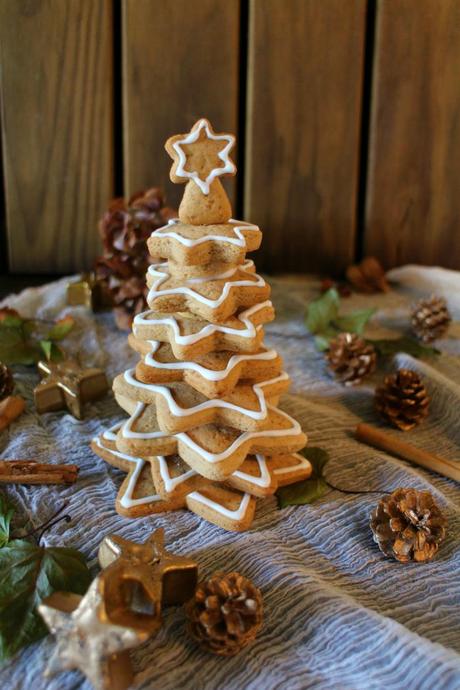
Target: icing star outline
{"x":228,"y":167}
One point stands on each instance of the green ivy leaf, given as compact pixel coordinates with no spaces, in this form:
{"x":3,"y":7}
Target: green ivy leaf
{"x":391,"y":346}
{"x":322,"y":311}
{"x":324,"y":321}
{"x":355,"y":322}
{"x":61,"y":328}
{"x":322,"y":342}
{"x":6,"y":513}
{"x":29,"y":573}
{"x":308,"y":490}
{"x":19,"y":353}
{"x":52,"y":351}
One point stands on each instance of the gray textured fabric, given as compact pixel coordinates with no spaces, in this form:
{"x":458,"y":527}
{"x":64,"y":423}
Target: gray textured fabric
{"x":338,"y":614}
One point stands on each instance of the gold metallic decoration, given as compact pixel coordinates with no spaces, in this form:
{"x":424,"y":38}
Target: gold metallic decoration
{"x":121,"y":609}
{"x":89,"y":640}
{"x":88,"y":291}
{"x":67,"y":385}
{"x":164,"y":577}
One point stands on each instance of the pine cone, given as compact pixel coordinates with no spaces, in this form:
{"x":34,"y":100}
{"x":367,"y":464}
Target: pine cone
{"x":124,"y":229}
{"x":6,"y":381}
{"x":225,"y":614}
{"x":402,"y":400}
{"x":408,"y":525}
{"x":368,"y":276}
{"x":351,"y":358}
{"x":430,"y":318}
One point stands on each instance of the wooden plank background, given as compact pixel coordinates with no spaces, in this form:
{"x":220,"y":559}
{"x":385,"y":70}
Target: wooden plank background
{"x":304,"y":107}
{"x":413,"y":200}
{"x":180,"y":63}
{"x":90,"y":89}
{"x":56,"y":90}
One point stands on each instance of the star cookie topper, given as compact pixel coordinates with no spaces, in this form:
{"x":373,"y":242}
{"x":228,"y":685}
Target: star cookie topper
{"x":200,"y":158}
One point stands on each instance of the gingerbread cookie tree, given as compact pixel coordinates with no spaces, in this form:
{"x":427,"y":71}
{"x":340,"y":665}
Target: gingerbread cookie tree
{"x":204,"y":431}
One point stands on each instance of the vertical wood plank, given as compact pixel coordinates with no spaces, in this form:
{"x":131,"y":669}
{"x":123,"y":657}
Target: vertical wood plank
{"x":413,"y":202}
{"x":56,"y":88}
{"x":304,"y":106}
{"x":180,"y":63}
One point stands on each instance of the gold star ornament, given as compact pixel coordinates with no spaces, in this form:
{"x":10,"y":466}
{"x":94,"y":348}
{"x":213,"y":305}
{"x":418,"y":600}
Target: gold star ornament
{"x":67,"y":385}
{"x":200,"y":158}
{"x":166,"y":578}
{"x":121,"y":609}
{"x":88,"y":640}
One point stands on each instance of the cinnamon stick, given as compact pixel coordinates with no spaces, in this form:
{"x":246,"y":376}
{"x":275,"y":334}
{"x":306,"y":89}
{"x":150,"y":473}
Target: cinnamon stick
{"x":32,"y":472}
{"x":380,"y":439}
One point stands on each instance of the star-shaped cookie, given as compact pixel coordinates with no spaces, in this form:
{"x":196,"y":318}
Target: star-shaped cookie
{"x":214,"y":298}
{"x":214,"y":374}
{"x":213,"y":451}
{"x":200,"y":155}
{"x":192,"y":245}
{"x":191,"y":336}
{"x":180,"y":407}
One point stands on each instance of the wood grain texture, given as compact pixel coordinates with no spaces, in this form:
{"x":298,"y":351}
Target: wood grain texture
{"x":413,"y":202}
{"x":181,"y":62}
{"x":56,"y":89}
{"x":304,"y":107}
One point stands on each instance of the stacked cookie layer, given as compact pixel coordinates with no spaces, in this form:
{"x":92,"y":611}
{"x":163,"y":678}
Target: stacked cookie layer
{"x":204,"y":431}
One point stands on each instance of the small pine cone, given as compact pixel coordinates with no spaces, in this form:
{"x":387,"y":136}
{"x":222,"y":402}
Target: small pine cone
{"x":408,"y":525}
{"x":225,"y":614}
{"x":6,"y":381}
{"x":430,"y":318}
{"x":403,"y":399}
{"x":351,"y":358}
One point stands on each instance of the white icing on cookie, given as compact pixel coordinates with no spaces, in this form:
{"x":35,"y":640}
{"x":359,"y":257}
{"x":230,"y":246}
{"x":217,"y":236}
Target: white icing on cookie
{"x":161,"y":274}
{"x":264,"y":478}
{"x":294,"y":430}
{"x":239,"y":240}
{"x":127,"y":431}
{"x":228,"y":166}
{"x":237,"y":514}
{"x":249,"y":330}
{"x":178,"y":411}
{"x":127,"y":500}
{"x":209,"y":374}
{"x":171,"y":482}
{"x":303,"y":464}
{"x":111,"y":433}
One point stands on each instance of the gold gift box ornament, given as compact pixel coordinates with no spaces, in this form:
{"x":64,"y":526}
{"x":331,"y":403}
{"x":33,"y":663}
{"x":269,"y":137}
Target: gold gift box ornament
{"x":88,"y":291}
